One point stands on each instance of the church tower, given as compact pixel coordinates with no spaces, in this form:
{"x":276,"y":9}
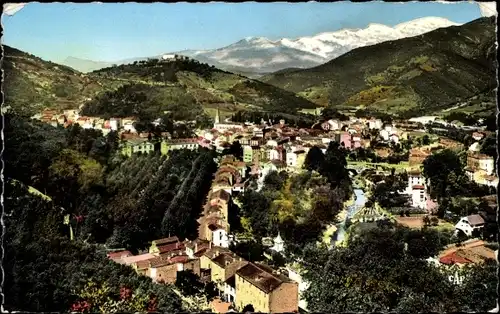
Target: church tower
{"x":217,"y":116}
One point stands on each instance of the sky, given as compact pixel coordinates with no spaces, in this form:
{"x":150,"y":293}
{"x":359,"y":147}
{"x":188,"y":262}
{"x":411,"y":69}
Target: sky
{"x":112,"y":32}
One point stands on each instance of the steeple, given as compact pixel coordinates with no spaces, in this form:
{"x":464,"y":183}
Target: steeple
{"x":217,"y":116}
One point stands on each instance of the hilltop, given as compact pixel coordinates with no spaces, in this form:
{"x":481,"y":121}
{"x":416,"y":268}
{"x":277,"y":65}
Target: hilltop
{"x":185,"y":80}
{"x":413,"y":75}
{"x":32,"y":84}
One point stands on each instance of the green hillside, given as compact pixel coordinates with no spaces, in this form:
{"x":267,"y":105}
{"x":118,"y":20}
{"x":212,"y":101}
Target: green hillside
{"x":414,"y":75}
{"x":206,"y":85}
{"x":31,"y":83}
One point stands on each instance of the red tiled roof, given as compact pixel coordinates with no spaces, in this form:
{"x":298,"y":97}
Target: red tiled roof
{"x":166,"y":240}
{"x":418,"y":187}
{"x":170,"y":247}
{"x":201,"y":252}
{"x":179,"y":259}
{"x":119,"y":254}
{"x":453,"y":258}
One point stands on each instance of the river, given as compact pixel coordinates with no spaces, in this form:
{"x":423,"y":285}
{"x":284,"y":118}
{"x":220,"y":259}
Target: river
{"x":359,"y":202}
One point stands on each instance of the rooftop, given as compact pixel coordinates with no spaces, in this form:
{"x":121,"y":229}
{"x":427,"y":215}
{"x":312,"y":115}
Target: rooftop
{"x":261,"y":277}
{"x":166,"y":240}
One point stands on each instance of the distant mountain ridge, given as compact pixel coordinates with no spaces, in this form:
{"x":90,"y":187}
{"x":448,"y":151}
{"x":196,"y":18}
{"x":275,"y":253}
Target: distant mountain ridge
{"x":150,"y":87}
{"x":259,"y":55}
{"x":412,"y":75}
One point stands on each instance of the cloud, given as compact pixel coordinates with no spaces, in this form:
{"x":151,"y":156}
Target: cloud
{"x":487,"y":8}
{"x":12,"y":8}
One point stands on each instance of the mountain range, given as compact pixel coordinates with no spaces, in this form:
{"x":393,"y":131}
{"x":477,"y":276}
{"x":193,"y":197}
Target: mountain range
{"x":412,"y":76}
{"x":255,"y":56}
{"x":187,"y":88}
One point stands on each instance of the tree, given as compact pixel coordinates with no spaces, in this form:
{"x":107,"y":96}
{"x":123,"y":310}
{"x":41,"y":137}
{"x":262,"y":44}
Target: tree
{"x":478,"y":292}
{"x":334,"y":168}
{"x":236,"y":150}
{"x":274,"y":181}
{"x":314,"y":159}
{"x":358,"y":277}
{"x":446,"y":174}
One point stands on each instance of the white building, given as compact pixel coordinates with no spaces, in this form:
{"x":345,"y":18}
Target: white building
{"x":394,"y":138}
{"x":423,"y":120}
{"x":168,"y":57}
{"x":418,"y":197}
{"x":414,"y":178}
{"x":384,"y":134}
{"x":129,"y":127}
{"x":375,"y":124}
{"x":220,"y":237}
{"x":334,"y":124}
{"x":291,"y":159}
{"x":114,"y":124}
{"x":469,"y":224}
{"x":279,"y":244}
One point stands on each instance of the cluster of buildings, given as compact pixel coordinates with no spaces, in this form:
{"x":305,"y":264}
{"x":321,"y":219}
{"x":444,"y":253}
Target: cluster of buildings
{"x":481,"y":169}
{"x":68,"y":117}
{"x":239,"y":282}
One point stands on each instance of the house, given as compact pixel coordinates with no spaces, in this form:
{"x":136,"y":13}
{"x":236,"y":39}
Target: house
{"x":477,"y":136}
{"x":218,"y":235}
{"x":331,"y":125}
{"x":375,"y":124}
{"x":343,"y":138}
{"x":418,"y":197}
{"x":394,"y":138}
{"x":415,"y":177}
{"x":119,"y":255}
{"x":197,"y":247}
{"x":137,"y":145}
{"x":384,"y":134}
{"x":182,"y":143}
{"x":356,"y":140}
{"x":470,"y":224}
{"x":266,"y":290}
{"x":164,"y":248}
{"x":477,"y":162}
{"x":164,"y":269}
{"x":223,"y":268}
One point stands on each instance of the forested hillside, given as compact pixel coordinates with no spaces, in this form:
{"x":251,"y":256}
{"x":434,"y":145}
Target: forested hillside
{"x":110,"y":201}
{"x":416,"y":75}
{"x":32,"y":84}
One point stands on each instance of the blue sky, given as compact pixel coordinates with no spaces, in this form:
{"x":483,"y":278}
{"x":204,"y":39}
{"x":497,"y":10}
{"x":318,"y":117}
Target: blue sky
{"x":111,"y":32}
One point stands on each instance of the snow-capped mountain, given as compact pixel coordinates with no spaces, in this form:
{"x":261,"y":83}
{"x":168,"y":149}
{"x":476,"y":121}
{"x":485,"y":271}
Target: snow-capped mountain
{"x":260,"y":54}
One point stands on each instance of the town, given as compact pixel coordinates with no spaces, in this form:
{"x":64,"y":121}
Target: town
{"x":341,"y":158}
{"x":267,"y":148}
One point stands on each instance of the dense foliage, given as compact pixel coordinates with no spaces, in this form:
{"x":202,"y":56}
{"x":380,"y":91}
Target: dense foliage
{"x":44,"y":271}
{"x":384,"y":270}
{"x":81,"y":188}
{"x":147,"y":102}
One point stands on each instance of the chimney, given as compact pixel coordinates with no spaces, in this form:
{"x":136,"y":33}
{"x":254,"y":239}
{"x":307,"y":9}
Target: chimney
{"x":209,"y":245}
